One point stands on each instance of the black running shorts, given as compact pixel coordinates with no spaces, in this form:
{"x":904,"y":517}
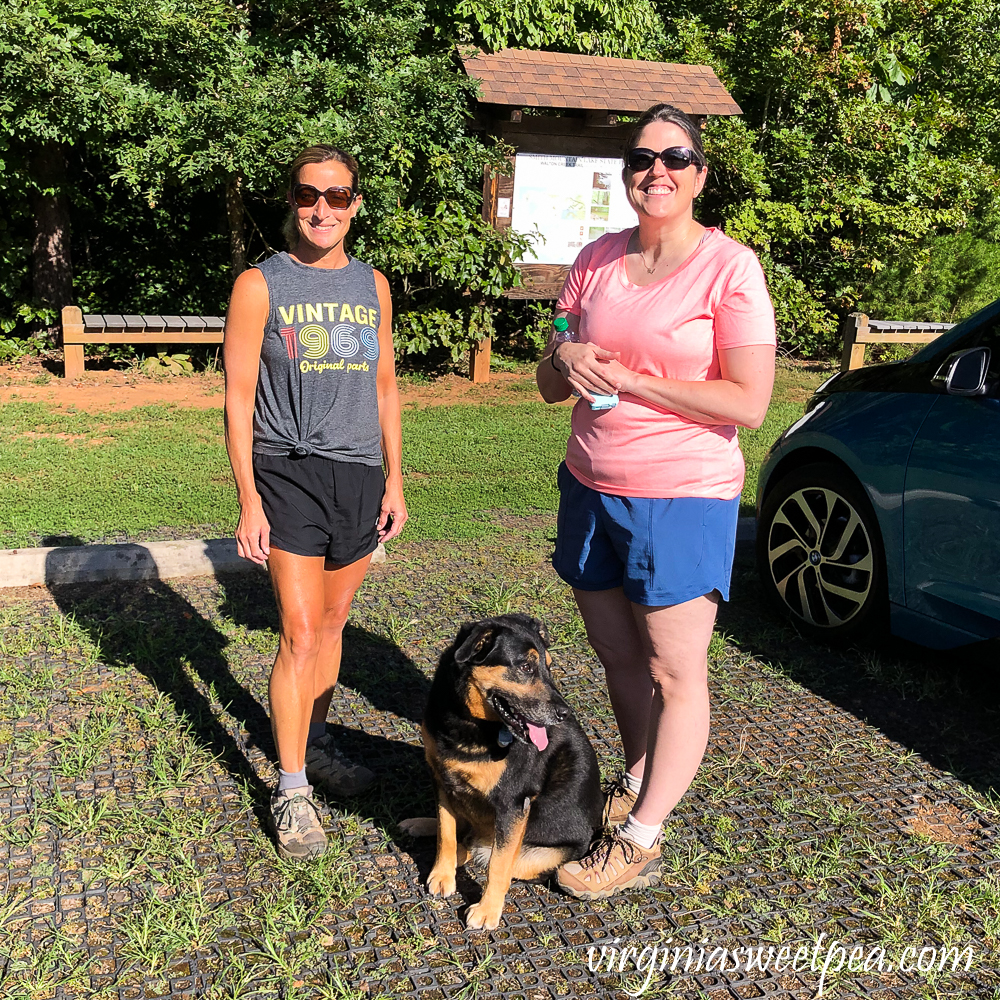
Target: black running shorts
{"x":320,"y":507}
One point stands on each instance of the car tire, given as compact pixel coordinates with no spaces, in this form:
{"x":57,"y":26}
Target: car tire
{"x":820,"y":554}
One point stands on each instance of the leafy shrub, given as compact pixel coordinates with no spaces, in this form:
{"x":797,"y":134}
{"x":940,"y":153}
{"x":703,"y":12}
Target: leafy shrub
{"x":942,"y":281}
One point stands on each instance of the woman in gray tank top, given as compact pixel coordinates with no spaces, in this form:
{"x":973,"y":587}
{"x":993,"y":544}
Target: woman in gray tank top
{"x":313,"y":433}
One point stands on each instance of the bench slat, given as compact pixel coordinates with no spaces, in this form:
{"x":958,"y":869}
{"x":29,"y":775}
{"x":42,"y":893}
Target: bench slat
{"x":897,"y":337}
{"x":92,"y":322}
{"x":153,"y":323}
{"x":895,"y":324}
{"x":214,"y":322}
{"x":114,"y":322}
{"x":134,"y":323}
{"x":174,"y":323}
{"x":193,"y":322}
{"x":156,"y":337}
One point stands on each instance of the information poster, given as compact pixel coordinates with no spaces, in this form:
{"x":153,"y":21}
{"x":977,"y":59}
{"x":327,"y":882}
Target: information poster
{"x":570,"y":200}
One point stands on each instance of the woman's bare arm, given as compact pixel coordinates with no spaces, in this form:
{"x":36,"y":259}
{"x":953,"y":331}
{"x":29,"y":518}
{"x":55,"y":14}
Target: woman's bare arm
{"x":393,"y":503}
{"x":740,"y":397}
{"x":248,"y":309}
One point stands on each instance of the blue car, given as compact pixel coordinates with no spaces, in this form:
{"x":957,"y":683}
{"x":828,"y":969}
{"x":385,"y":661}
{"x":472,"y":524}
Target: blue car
{"x":881,"y":505}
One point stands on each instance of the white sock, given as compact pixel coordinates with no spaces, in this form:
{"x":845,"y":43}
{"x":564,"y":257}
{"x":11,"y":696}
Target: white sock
{"x":639,"y":833}
{"x":632,"y":783}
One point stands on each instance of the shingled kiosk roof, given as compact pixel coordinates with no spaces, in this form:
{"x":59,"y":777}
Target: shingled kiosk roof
{"x":527,"y":78}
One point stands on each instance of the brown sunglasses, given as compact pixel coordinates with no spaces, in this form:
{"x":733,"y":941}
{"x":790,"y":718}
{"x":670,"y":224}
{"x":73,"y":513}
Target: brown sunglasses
{"x":305,"y":196}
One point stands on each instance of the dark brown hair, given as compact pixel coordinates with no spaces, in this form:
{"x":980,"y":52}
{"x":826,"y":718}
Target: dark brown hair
{"x":320,"y":153}
{"x":672,"y":116}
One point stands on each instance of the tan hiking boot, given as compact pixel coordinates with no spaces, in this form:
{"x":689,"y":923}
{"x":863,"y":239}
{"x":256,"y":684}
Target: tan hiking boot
{"x":613,"y":864}
{"x":297,"y":826}
{"x":330,"y":770}
{"x":618,"y":802}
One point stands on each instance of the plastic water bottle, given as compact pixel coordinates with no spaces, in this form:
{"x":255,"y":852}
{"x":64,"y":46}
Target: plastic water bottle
{"x":563,"y":336}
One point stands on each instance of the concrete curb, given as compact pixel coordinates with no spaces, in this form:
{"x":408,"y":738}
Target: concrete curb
{"x":151,"y":561}
{"x":162,"y":560}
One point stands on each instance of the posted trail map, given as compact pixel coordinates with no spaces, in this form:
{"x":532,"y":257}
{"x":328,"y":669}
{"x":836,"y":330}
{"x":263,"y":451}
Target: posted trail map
{"x":571,"y":200}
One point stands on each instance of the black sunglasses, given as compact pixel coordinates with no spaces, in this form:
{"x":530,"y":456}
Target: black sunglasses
{"x":305,"y":196}
{"x":674,"y":158}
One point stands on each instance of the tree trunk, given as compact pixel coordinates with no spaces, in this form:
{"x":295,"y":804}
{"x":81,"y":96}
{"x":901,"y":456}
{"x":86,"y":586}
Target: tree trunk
{"x":234,"y":214}
{"x":52,"y":264}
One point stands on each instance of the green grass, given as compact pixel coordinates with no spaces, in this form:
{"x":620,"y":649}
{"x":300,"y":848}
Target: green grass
{"x":85,"y":476}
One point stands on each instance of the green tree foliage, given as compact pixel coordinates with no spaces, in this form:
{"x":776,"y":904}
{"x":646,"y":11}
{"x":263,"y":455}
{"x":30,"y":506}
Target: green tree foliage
{"x":630,"y":29}
{"x":870,"y":132}
{"x":207,"y":109}
{"x":152,"y":134}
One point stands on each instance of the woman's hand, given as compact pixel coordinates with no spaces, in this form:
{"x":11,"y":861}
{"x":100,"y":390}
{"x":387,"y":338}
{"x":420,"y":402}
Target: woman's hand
{"x":626,"y":379}
{"x":253,"y":533}
{"x":393,"y":515}
{"x":586,"y":368}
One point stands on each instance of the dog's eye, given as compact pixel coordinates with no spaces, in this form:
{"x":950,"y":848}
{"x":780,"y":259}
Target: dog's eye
{"x":528,"y":666}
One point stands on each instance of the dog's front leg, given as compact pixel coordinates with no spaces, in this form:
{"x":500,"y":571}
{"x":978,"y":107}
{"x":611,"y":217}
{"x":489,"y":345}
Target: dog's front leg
{"x":441,"y":881}
{"x":506,"y":847}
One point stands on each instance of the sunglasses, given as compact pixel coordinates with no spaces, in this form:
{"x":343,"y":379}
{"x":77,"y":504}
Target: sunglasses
{"x":305,"y":196}
{"x":674,"y":158}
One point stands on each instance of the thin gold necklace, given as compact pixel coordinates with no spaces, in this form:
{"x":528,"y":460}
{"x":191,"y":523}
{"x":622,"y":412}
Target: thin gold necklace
{"x":642,"y":256}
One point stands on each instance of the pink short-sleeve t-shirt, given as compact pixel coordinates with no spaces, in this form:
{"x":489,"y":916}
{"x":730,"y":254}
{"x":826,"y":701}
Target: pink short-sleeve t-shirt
{"x":673,"y":328}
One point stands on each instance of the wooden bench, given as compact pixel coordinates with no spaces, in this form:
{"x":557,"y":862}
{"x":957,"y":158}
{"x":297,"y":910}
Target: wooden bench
{"x":78,"y":329}
{"x":860,"y":330}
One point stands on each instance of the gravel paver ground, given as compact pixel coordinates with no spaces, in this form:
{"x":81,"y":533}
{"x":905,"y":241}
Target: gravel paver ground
{"x":848,"y":794}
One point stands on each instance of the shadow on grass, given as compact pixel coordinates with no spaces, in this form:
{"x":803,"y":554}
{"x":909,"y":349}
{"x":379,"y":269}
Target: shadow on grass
{"x":147,"y":626}
{"x":945,"y":705}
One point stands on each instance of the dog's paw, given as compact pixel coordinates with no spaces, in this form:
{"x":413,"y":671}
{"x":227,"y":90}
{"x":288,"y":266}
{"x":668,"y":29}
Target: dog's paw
{"x":482,"y":916}
{"x":420,"y":826}
{"x":441,"y":883}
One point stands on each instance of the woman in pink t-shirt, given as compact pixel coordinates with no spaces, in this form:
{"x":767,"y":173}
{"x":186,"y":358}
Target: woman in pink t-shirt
{"x":675,"y":319}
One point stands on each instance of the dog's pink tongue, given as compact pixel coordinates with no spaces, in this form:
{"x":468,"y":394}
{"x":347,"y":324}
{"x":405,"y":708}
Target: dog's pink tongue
{"x":538,"y":736}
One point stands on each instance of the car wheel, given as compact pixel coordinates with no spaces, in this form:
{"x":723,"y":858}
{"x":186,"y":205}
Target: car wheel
{"x":820,"y":555}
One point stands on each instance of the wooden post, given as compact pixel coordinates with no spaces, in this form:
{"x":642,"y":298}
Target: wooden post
{"x":72,"y":328}
{"x":479,"y":360}
{"x":854,"y":353}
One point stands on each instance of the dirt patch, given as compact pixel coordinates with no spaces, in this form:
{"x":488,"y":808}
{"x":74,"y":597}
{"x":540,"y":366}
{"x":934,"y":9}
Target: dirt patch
{"x":944,"y":823}
{"x":103,"y":391}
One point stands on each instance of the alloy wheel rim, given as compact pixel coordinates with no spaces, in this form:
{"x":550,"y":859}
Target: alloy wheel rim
{"x":820,"y":557}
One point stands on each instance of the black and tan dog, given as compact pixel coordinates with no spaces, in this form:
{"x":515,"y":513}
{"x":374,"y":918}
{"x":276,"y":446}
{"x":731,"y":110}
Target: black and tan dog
{"x":517,"y":780}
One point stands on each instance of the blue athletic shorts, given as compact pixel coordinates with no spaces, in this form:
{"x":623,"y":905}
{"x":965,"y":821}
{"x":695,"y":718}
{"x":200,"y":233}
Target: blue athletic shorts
{"x":660,"y":552}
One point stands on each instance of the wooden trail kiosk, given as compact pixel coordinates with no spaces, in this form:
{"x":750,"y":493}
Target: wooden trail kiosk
{"x":562,"y":114}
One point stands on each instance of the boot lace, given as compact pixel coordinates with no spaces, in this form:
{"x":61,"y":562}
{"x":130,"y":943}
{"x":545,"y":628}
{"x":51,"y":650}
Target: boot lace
{"x":600,"y":852}
{"x":298,"y":813}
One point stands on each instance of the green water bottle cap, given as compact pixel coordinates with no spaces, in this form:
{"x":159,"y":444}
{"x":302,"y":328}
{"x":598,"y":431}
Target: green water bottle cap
{"x":561,"y":324}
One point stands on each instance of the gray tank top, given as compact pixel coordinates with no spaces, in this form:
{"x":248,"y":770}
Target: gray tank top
{"x":316,"y":393}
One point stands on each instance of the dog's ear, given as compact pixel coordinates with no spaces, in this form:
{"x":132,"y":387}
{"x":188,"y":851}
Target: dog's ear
{"x":543,"y":633}
{"x":534,"y":625}
{"x":475,"y":642}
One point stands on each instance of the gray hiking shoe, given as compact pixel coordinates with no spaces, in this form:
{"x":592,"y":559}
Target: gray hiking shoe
{"x":297,"y":826}
{"x":330,"y":770}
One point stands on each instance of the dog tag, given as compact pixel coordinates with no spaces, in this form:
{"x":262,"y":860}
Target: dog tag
{"x":505,"y":737}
